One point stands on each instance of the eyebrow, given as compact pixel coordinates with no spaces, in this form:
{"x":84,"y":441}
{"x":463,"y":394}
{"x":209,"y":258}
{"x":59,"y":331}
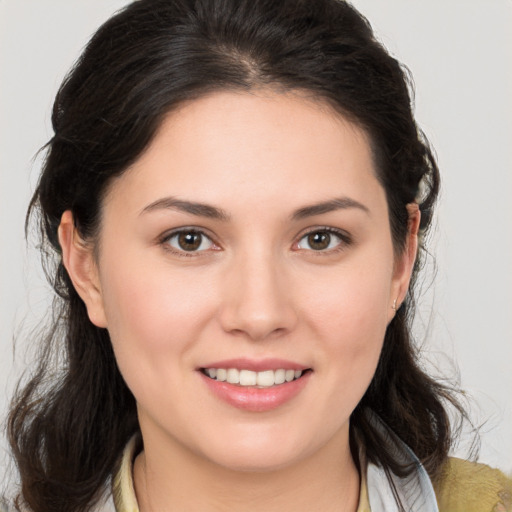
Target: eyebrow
{"x":212,"y":212}
{"x":199,"y":209}
{"x":338,"y":203}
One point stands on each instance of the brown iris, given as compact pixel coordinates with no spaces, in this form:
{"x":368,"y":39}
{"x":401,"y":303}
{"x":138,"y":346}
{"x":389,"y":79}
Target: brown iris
{"x":189,"y":241}
{"x":319,"y":240}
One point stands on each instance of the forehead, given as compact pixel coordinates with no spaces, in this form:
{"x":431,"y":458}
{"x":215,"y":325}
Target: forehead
{"x":253,"y":148}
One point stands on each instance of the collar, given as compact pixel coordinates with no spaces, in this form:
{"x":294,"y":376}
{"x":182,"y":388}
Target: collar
{"x":123,"y":491}
{"x":391,"y":493}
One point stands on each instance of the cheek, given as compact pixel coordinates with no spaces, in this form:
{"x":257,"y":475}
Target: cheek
{"x":351,"y":303}
{"x":154,"y":320}
{"x":350,"y":316}
{"x":153,"y":310}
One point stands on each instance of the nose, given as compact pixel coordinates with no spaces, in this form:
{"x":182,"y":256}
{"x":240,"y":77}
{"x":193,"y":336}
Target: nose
{"x":257,"y":302}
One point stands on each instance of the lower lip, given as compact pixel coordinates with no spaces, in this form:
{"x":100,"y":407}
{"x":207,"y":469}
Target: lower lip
{"x":256,"y":399}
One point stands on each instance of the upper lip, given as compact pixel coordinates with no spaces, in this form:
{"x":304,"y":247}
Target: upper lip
{"x":256,"y":365}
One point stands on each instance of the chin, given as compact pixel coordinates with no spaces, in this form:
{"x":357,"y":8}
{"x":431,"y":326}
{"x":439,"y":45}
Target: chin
{"x":256,"y":462}
{"x":257,"y":455}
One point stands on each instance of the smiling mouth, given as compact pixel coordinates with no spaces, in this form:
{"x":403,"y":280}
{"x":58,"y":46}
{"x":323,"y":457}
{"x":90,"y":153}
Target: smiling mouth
{"x":249,"y":378}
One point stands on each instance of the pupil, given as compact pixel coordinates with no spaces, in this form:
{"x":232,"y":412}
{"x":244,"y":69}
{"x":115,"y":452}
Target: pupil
{"x":189,"y":241}
{"x":319,"y":240}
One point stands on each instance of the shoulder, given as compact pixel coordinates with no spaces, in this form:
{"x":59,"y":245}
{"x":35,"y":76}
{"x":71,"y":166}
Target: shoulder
{"x":465,"y":486}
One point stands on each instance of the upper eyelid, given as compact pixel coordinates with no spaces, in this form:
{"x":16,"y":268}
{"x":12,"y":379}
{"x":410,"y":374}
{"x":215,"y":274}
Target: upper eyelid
{"x":186,"y":229}
{"x":337,"y":231}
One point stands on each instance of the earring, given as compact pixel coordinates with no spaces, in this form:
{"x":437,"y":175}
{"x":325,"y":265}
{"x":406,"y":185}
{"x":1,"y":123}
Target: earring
{"x":393,"y":307}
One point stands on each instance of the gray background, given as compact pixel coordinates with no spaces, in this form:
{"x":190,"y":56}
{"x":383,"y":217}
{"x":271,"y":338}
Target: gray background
{"x":460,"y":54}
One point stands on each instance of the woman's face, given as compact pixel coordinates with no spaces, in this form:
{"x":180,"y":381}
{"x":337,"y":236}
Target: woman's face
{"x":251,"y":241}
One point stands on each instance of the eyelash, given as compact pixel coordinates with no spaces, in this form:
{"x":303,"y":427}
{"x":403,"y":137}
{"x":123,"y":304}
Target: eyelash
{"x":344,"y":237}
{"x":164,"y":241}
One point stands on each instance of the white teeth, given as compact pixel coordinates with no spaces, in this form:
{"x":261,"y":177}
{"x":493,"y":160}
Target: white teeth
{"x":264,"y":379}
{"x":233,"y":376}
{"x":247,"y":378}
{"x":279,"y":377}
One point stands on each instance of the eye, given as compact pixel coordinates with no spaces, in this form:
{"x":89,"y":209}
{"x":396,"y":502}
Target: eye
{"x":323,"y":240}
{"x":189,"y":241}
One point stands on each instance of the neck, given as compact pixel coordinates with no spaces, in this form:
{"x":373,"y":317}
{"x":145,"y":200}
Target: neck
{"x":170,"y":477}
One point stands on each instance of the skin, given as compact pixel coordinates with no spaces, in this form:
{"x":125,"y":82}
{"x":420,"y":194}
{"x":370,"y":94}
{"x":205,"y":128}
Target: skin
{"x":255,"y":289}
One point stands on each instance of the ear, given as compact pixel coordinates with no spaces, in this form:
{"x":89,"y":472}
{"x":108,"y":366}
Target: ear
{"x":404,"y":263}
{"x":78,"y":259}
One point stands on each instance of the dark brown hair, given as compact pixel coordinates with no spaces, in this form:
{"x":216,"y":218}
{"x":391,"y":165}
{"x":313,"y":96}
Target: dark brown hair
{"x":70,"y":422}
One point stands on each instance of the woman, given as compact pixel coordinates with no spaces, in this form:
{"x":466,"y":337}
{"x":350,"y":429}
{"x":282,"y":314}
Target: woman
{"x":235,"y":195}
